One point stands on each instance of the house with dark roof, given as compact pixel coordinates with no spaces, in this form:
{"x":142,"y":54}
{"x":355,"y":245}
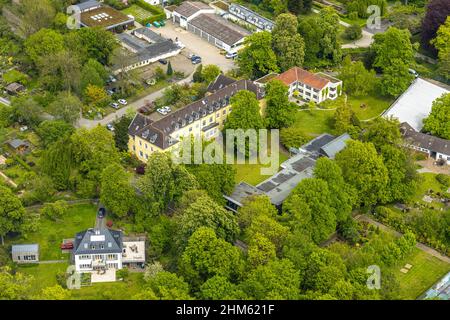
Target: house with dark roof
{"x":241,"y":13}
{"x":202,"y":118}
{"x":20,"y":146}
{"x":200,"y":19}
{"x":220,"y":82}
{"x":434,"y":147}
{"x":145,"y":47}
{"x":309,"y":86}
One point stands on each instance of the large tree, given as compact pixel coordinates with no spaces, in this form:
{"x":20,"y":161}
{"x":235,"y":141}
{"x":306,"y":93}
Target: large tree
{"x":437,"y":13}
{"x":204,"y":212}
{"x":277,"y":280}
{"x":364,"y":169}
{"x":442,"y":44}
{"x":287,"y":44}
{"x":14,"y":286}
{"x":356,"y":78}
{"x":310,"y":208}
{"x":299,"y":6}
{"x":206,"y":256}
{"x":279,"y":110}
{"x":164,"y":182}
{"x":246,"y":112}
{"x":66,"y":107}
{"x":36,"y":14}
{"x":257,"y":58}
{"x":51,"y":130}
{"x":11,"y":212}
{"x":438,"y":121}
{"x":393,"y":55}
{"x":99,"y":43}
{"x":43,"y":44}
{"x":116,"y":193}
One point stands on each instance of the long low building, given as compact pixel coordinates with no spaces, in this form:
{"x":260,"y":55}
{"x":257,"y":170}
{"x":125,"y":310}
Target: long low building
{"x":434,"y":147}
{"x":146,"y":47}
{"x":299,"y":167}
{"x":200,"y":19}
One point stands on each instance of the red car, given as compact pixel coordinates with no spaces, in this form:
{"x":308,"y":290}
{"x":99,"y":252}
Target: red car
{"x":67,"y":246}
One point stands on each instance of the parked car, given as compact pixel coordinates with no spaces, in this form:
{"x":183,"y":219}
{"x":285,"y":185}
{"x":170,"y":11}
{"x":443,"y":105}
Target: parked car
{"x":162,"y":23}
{"x":162,"y":111}
{"x":195,"y":57}
{"x":231,"y":55}
{"x":66,"y":246}
{"x":110,"y":127}
{"x":197,"y":61}
{"x":109,"y":92}
{"x":123,"y":101}
{"x":101,"y":212}
{"x":115,"y":105}
{"x":413,"y":72}
{"x":156,"y":24}
{"x":162,"y":61}
{"x":166,"y":108}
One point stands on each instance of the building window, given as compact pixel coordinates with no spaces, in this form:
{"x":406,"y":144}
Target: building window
{"x":225,"y":111}
{"x":204,"y":123}
{"x":210,"y":119}
{"x":190,"y":129}
{"x":141,"y":154}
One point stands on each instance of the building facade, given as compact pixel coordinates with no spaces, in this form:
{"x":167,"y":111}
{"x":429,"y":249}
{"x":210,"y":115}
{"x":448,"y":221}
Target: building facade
{"x":200,"y":19}
{"x":434,"y":147}
{"x":25,"y":253}
{"x":316,"y":87}
{"x":203,"y":118}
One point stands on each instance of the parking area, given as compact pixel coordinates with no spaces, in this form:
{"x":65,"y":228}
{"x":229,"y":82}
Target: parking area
{"x":194,"y":44}
{"x":180,"y":63}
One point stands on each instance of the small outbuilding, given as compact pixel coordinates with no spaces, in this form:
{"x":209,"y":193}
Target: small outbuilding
{"x":19,"y":145}
{"x":25,"y":253}
{"x":14,"y":88}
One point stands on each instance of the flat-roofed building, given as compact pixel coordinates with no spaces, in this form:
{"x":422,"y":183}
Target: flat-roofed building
{"x":105,"y":17}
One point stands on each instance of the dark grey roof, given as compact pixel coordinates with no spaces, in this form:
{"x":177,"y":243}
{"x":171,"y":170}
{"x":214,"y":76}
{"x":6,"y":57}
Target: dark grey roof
{"x":85,"y":5}
{"x":317,"y":143}
{"x":251,"y":17}
{"x":188,"y":8}
{"x":153,"y":36}
{"x":25,"y":248}
{"x":95,"y":241}
{"x":135,"y":43}
{"x":158,"y":132}
{"x":333,"y":147}
{"x":425,"y":141}
{"x":16,"y":143}
{"x":241,"y":191}
{"x":279,"y":186}
{"x":220,"y":82}
{"x":219,"y":28}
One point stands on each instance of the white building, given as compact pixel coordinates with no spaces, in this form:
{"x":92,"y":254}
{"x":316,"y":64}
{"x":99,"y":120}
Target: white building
{"x":104,"y":249}
{"x":200,"y":19}
{"x":434,"y":147}
{"x":317,"y":87}
{"x":415,"y":103}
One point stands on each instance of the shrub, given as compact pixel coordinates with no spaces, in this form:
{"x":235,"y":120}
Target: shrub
{"x":122,"y":274}
{"x":443,"y":179}
{"x":293,"y":137}
{"x":54,"y":210}
{"x":353,"y":15}
{"x":353,"y":32}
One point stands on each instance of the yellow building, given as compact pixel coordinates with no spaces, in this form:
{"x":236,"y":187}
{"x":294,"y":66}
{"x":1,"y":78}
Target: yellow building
{"x":203,"y":118}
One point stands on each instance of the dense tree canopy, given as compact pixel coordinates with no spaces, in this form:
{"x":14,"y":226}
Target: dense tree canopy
{"x":438,"y":122}
{"x":437,"y":13}
{"x":11,"y":212}
{"x":257,"y":58}
{"x":287,"y":44}
{"x":393,"y":55}
{"x":356,"y":78}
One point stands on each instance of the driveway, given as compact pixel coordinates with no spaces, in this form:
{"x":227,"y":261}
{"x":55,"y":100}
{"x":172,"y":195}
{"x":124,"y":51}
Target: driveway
{"x":364,"y":42}
{"x":121,"y":112}
{"x":194,"y":44}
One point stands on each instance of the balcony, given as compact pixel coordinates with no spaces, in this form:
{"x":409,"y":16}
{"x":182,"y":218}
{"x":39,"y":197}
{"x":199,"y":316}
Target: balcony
{"x":98,"y":263}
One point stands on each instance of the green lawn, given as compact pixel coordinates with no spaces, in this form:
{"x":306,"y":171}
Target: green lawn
{"x":314,"y":122}
{"x":428,"y":182}
{"x":51,"y":233}
{"x":137,"y":12}
{"x":251,"y":173}
{"x":375,"y":105}
{"x":425,"y":271}
{"x":44,"y":275}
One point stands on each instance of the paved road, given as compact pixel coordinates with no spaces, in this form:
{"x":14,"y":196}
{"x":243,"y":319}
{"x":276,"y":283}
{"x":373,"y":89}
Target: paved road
{"x":121,"y":112}
{"x":365,"y":41}
{"x":419,"y":245}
